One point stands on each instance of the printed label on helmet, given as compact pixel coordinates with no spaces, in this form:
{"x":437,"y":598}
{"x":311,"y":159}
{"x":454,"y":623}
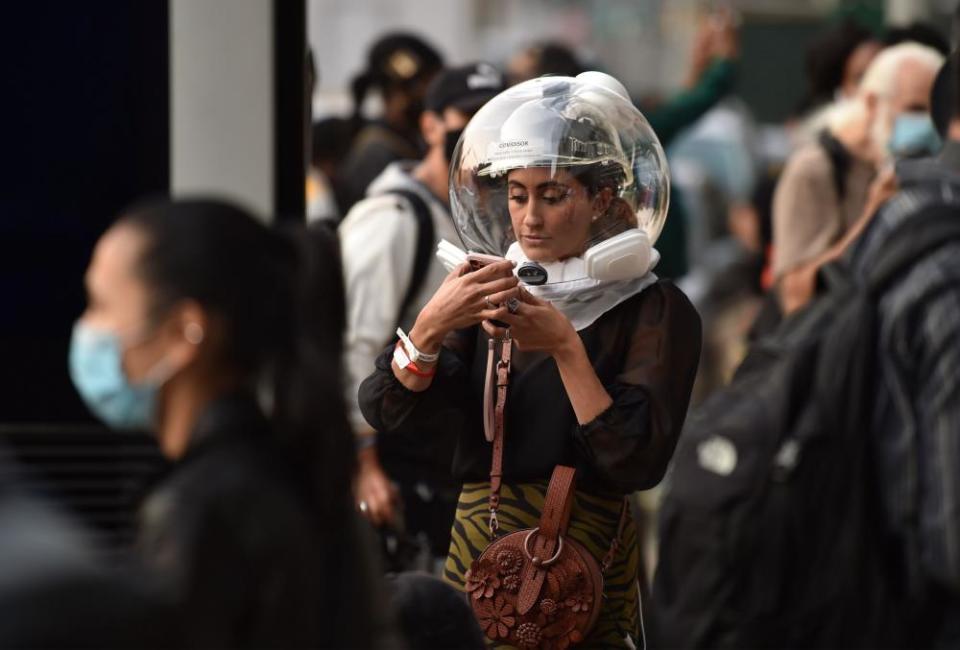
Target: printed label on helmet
{"x":515,"y":148}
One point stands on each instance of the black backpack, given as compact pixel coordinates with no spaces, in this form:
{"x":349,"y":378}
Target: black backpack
{"x":771,"y":530}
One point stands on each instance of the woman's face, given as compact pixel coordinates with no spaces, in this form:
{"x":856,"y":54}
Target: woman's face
{"x":551,"y":213}
{"x":118,"y":301}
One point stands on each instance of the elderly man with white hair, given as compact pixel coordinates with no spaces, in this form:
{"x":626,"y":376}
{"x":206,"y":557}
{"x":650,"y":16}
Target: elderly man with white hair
{"x":824,"y":189}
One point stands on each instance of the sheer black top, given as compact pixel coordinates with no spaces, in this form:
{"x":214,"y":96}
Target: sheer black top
{"x":645,"y":351}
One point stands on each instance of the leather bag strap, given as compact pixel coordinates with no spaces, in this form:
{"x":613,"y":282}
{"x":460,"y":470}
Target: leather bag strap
{"x":494,"y":411}
{"x":544,"y":544}
{"x":489,"y":393}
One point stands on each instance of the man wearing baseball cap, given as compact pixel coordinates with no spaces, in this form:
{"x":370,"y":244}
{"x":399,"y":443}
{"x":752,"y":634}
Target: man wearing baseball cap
{"x":388,"y":241}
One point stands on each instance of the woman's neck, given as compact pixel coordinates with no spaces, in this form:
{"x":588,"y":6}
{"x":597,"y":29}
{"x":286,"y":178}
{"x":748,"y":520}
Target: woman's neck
{"x":184,"y":400}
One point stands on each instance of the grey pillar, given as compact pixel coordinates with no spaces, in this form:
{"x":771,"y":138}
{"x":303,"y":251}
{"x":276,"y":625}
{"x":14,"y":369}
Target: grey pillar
{"x":236,"y":102}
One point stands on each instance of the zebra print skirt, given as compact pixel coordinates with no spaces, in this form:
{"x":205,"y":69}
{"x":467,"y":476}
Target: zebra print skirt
{"x":593,"y":523}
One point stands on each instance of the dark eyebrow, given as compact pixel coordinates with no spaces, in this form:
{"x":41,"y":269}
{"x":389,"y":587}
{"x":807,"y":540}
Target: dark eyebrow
{"x":540,"y":186}
{"x":551,"y":184}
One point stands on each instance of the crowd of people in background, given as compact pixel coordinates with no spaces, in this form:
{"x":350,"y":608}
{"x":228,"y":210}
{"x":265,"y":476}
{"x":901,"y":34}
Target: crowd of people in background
{"x":306,"y":507}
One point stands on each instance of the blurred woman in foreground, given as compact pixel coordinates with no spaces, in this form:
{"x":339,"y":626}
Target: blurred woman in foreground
{"x":197,"y":315}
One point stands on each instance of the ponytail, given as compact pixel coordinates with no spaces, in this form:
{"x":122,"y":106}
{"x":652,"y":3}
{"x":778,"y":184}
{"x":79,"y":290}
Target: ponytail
{"x":309,"y":414}
{"x":310,"y":418}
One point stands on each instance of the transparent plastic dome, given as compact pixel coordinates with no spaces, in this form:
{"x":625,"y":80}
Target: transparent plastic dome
{"x":557,"y":166}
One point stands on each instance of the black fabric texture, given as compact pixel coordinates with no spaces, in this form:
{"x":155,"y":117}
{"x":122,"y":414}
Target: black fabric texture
{"x":238,"y":549}
{"x":645,"y":351}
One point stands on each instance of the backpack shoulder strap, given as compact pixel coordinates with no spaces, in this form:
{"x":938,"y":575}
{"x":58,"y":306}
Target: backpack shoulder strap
{"x":425,"y":237}
{"x":918,"y":235}
{"x":839,"y":161}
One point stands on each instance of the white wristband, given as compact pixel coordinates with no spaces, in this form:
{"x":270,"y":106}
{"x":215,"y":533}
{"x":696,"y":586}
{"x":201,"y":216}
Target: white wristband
{"x":412,"y":351}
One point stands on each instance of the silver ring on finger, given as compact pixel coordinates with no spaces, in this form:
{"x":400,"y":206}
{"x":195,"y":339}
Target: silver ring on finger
{"x":513,"y":305}
{"x":490,"y":305}
{"x":363,"y":506}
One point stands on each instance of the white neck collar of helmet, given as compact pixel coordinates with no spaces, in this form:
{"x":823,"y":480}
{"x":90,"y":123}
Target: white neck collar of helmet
{"x":581,"y":298}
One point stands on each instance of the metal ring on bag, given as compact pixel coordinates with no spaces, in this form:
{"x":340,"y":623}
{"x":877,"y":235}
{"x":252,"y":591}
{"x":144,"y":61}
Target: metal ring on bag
{"x":536,"y":561}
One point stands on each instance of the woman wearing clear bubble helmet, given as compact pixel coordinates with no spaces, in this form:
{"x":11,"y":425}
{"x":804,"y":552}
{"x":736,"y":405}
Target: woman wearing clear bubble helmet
{"x":552,"y":346}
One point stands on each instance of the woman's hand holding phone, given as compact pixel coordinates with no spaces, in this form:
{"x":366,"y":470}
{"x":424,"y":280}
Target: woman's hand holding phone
{"x":468,"y":296}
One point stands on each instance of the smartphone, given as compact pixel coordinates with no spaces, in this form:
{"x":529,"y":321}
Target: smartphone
{"x":479,"y":260}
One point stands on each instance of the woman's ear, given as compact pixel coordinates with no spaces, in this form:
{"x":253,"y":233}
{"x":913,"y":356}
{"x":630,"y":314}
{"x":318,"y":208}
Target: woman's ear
{"x":187,"y":333}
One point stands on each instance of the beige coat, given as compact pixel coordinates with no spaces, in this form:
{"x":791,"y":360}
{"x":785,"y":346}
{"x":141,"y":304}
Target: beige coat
{"x":808,"y":215}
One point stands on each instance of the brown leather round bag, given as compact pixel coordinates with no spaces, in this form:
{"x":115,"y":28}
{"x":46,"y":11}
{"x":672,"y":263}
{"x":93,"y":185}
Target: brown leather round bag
{"x":536,"y":587}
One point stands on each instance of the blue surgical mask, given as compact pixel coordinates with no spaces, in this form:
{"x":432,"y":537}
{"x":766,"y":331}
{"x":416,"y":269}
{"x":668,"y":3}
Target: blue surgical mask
{"x":96,"y":368}
{"x":914,"y":134}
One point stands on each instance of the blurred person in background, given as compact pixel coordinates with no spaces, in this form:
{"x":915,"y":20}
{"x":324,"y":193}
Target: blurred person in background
{"x":856,"y":527}
{"x":918,"y":32}
{"x":916,"y":418}
{"x":824,"y":188}
{"x":330,"y":142}
{"x":709,"y":79}
{"x":431,"y":614}
{"x":194,"y":309}
{"x":834,"y":65}
{"x":388,"y":242}
{"x":916,"y":409}
{"x":399,"y":68}
{"x":539,"y":59}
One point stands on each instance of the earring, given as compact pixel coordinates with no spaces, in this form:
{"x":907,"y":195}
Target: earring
{"x":193,"y":333}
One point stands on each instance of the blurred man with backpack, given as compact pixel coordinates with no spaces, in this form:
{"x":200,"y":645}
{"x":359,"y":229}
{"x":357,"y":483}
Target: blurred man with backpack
{"x":388,"y":242}
{"x":916,"y":417}
{"x":815,"y":502}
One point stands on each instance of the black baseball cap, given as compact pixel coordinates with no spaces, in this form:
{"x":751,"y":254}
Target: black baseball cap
{"x":465,"y":88}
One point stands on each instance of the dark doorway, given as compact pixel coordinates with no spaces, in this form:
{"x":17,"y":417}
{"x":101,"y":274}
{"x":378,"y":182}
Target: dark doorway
{"x":85,"y":121}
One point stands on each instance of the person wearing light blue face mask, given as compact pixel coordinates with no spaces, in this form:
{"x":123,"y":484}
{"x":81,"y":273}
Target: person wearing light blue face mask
{"x":96,"y":368}
{"x":895,"y":92}
{"x":195,"y":311}
{"x":119,"y":361}
{"x":914,"y":135}
{"x":888,"y":119}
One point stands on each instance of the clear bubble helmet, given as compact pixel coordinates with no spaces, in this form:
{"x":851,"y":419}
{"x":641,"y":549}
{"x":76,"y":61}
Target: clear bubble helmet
{"x":565,"y":172}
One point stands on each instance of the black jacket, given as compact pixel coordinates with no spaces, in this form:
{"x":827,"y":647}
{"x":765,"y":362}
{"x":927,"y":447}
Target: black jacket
{"x":233,"y":538}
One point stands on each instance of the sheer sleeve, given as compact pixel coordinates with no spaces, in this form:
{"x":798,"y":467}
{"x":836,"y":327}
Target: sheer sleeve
{"x":630,"y":443}
{"x":387,"y":404}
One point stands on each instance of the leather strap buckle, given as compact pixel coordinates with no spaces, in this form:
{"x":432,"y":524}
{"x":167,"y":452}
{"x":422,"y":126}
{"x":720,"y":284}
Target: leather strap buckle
{"x":534,"y":560}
